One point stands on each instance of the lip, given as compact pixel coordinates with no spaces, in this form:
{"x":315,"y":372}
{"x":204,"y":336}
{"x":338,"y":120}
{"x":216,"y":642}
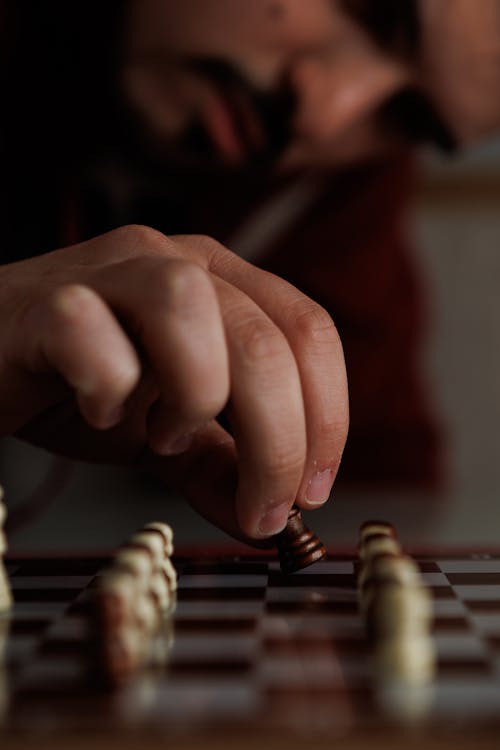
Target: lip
{"x":231,"y":123}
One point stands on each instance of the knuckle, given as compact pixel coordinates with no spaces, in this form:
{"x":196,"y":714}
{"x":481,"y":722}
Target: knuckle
{"x":140,"y":237}
{"x":199,"y":404}
{"x":180,"y":283}
{"x":214,"y":256}
{"x":283,"y":462}
{"x":68,"y":305}
{"x":210,"y":245}
{"x":311,"y":322}
{"x":260,"y":341}
{"x":123,"y":377}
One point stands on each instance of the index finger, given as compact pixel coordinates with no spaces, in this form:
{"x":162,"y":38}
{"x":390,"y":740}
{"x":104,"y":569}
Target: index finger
{"x":318,"y":352}
{"x":267,"y":414}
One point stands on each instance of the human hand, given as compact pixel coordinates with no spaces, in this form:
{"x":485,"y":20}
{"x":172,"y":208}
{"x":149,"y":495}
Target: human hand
{"x":125,"y":348}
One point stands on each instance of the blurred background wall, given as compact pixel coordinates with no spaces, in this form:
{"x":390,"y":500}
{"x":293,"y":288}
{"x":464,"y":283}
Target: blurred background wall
{"x":457,"y":231}
{"x":456,"y":226}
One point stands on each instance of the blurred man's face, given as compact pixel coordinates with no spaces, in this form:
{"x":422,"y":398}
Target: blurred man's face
{"x":313,"y":81}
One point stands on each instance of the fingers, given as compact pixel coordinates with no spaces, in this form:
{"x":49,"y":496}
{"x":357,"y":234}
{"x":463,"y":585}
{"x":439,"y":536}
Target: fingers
{"x":172,"y":309}
{"x":320,"y":362}
{"x":205,"y":339}
{"x":214,"y":332}
{"x":318,"y":354}
{"x":164,"y":310}
{"x":74,"y":333}
{"x":318,"y":350}
{"x":266,"y":414}
{"x":207,"y":476}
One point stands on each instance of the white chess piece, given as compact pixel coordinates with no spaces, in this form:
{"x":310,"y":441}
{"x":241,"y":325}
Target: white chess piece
{"x":5,"y":595}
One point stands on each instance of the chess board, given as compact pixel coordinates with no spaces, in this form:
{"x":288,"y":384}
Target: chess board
{"x":249,"y":649}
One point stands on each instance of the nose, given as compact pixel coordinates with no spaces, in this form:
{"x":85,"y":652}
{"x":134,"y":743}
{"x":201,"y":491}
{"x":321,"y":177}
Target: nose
{"x":335,"y":92}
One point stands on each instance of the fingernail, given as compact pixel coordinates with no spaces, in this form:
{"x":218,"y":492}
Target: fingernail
{"x":178,"y":445}
{"x":319,"y":488}
{"x":274,"y":520}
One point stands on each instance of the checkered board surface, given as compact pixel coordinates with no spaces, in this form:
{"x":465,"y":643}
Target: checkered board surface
{"x":248,"y":647}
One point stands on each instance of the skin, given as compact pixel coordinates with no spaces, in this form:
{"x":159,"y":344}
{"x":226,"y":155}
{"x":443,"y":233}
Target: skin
{"x":460,"y":65}
{"x":95,"y":367}
{"x":300,"y":44}
{"x":127,"y":347}
{"x":337,"y":71}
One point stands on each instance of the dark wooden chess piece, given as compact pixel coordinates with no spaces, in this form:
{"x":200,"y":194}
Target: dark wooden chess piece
{"x":297,"y":545}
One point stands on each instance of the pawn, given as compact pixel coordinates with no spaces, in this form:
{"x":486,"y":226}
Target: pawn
{"x":368,"y":528}
{"x":297,"y":545}
{"x":164,"y":531}
{"x":378,"y":544}
{"x":5,"y":594}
